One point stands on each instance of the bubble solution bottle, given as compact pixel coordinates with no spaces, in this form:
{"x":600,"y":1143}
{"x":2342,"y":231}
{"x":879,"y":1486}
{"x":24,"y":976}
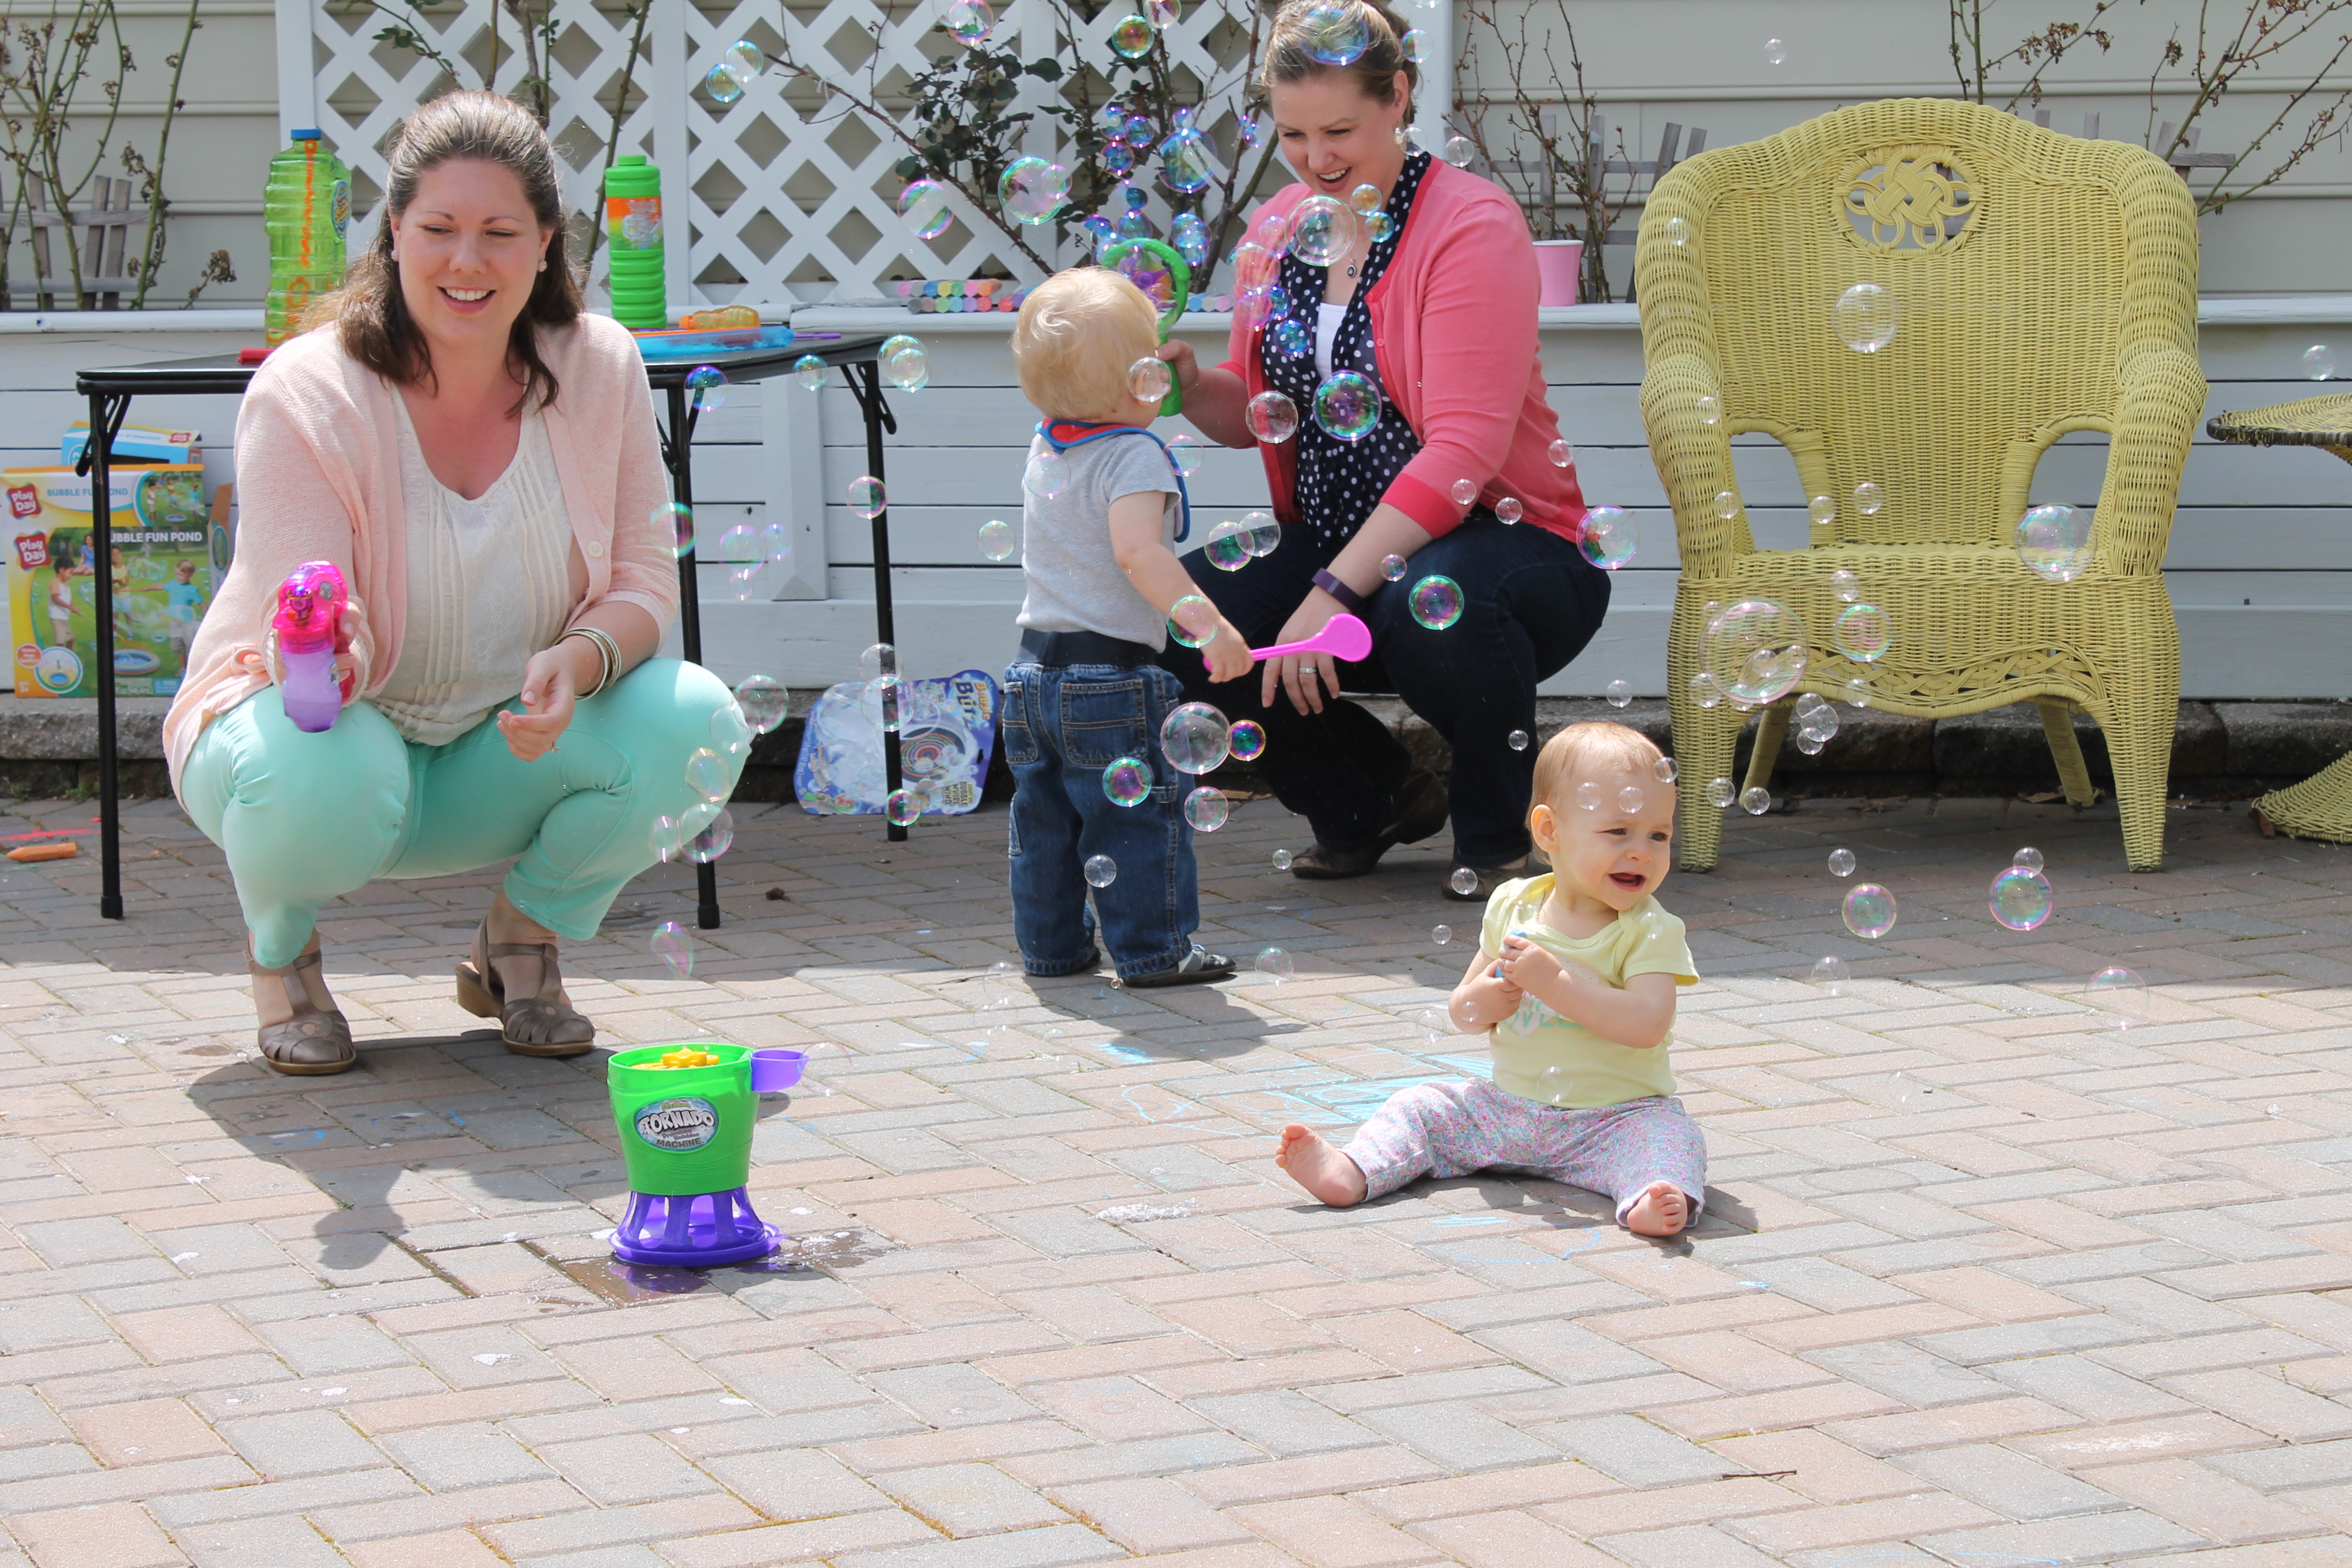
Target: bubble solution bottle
{"x":633,"y":238}
{"x":308,"y":624}
{"x":305,"y":207}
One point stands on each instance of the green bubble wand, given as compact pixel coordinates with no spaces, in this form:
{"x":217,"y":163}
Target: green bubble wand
{"x":1180,"y":277}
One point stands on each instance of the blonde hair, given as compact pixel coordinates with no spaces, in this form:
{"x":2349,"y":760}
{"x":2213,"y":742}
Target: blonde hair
{"x":1077,"y":334}
{"x":1581,"y":748}
{"x":1288,"y":56}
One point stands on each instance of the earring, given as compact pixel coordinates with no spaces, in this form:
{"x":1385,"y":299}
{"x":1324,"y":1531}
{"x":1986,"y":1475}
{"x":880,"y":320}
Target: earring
{"x":542,"y":264}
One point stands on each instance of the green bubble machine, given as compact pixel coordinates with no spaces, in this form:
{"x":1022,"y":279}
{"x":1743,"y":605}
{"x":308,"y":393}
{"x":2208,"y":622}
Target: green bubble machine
{"x":685,"y":1139}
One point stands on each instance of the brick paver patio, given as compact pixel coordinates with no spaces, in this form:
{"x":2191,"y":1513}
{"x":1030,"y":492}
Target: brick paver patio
{"x":1984,"y":1280}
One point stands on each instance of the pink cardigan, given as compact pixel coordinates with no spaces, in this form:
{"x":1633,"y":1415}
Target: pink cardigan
{"x":1454,"y":334}
{"x":317,"y":468}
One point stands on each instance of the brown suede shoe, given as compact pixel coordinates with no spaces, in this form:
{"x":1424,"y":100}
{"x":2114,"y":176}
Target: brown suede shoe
{"x":315,"y":1041}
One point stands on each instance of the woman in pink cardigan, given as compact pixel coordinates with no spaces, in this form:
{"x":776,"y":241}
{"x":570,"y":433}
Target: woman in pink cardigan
{"x":1440,"y":316}
{"x":478,"y":457}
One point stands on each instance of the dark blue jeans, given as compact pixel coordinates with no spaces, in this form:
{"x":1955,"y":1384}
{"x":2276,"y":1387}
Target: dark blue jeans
{"x":1063,"y":725}
{"x":1530,"y":603}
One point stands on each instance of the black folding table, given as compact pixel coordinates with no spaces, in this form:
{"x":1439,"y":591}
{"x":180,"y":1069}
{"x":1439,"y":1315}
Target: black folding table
{"x":112,"y":389}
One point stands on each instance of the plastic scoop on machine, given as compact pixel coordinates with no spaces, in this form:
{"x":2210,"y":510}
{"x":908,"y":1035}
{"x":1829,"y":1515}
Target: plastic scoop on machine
{"x":308,"y":622}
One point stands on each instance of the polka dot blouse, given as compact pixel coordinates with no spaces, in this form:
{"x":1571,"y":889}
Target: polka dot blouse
{"x":1340,"y":481}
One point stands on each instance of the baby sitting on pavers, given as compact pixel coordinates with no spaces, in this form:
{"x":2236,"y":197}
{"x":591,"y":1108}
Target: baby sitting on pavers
{"x":1574,"y":983}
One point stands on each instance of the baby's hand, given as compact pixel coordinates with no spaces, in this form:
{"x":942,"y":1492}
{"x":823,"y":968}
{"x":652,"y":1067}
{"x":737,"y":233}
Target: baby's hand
{"x":1227,"y":652}
{"x":1527,"y":965}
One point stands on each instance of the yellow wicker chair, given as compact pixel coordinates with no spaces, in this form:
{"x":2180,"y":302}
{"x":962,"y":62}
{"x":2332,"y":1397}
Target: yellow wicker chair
{"x":2047,"y":285}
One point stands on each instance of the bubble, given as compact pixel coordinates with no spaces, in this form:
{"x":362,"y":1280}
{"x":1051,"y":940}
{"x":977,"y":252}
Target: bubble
{"x":923,"y":208}
{"x":867,"y":498}
{"x":1437,"y":602}
{"x":1193,"y":620}
{"x":1463,"y":881}
{"x":1727,"y":504}
{"x":1282,"y":860}
{"x":1869,"y":911}
{"x":1336,"y":33}
{"x":902,"y":808}
{"x":1857,"y":692}
{"x":1127,"y":780}
{"x":1464,"y":491}
{"x":1132,"y":39}
{"x":1417,"y":47}
{"x":1552,"y":1083}
{"x":1032,"y":189}
{"x":1677,"y":231}
{"x":673,"y":527}
{"x":1815,"y":717}
{"x":1245,"y":740}
{"x":1185,"y":454}
{"x":1721,"y":793}
{"x":906,"y":363}
{"x":1138,"y":131}
{"x":1271,"y":417}
{"x":1587,"y":795}
{"x":2120,"y":993}
{"x":1845,"y":585}
{"x":1705,"y":691}
{"x":2319,"y":361}
{"x":1710,"y":408}
{"x":1194,"y":738}
{"x":1048,"y":475}
{"x":809,"y":372}
{"x":1618,"y":692}
{"x":1609,"y":537}
{"x":675,"y":948}
{"x":1866,"y":315}
{"x":881,"y":703}
{"x":1148,"y":379}
{"x":877,"y":660}
{"x":1186,"y":163}
{"x":707,"y":774}
{"x":1459,"y":151}
{"x":1775,"y":51}
{"x":705,"y":387}
{"x":1755,"y":800}
{"x":1275,"y":965}
{"x":1393,"y":568}
{"x":1810,"y":744}
{"x":669,"y":837}
{"x":1347,"y":407}
{"x":1756,"y":651}
{"x":1206,"y":809}
{"x":969,"y":21}
{"x":2031,"y":858}
{"x":1831,"y":973}
{"x":1630,"y":799}
{"x":763,"y":702}
{"x":1561,"y":453}
{"x":1290,"y":337}
{"x":1101,"y":870}
{"x":1365,"y":198}
{"x":1863,"y":632}
{"x":716,"y":838}
{"x":722,"y":84}
{"x":1440,"y":935}
{"x":2021,"y":898}
{"x":1265,"y":532}
{"x":1516,"y":740}
{"x":2055,"y":543}
{"x":1821,"y":511}
{"x":1868,"y":498}
{"x":1228,"y":546}
{"x":1322,"y":230}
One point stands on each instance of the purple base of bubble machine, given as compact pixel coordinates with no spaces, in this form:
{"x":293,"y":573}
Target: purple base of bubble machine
{"x":699,"y":1232}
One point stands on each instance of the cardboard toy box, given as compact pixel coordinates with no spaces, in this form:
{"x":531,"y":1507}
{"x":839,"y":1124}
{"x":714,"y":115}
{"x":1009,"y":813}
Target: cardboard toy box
{"x":163,"y":556}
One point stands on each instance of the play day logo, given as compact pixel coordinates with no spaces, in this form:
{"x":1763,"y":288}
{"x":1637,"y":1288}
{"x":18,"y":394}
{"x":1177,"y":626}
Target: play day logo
{"x":32,"y":549}
{"x":23,"y":501}
{"x":677,"y":1124}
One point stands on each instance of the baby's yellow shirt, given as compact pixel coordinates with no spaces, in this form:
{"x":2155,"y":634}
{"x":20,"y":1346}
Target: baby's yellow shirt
{"x":1542,"y":1056}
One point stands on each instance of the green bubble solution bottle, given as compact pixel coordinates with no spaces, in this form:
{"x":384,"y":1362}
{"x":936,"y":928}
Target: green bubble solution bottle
{"x":305,"y":207}
{"x":632,"y":238}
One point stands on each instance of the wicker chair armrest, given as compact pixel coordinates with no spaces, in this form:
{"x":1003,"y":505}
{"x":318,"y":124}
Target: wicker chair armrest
{"x":2161,"y":394}
{"x":1694,"y":461}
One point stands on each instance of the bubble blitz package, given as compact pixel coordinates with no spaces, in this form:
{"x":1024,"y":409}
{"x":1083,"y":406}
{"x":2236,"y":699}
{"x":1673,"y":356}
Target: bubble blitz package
{"x":163,"y":565}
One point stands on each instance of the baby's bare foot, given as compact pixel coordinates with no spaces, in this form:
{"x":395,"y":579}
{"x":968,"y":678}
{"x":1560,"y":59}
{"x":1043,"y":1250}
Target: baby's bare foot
{"x":1322,"y":1170}
{"x":1662,"y":1210}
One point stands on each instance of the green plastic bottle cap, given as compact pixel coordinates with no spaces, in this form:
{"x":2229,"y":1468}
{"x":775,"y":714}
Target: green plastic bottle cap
{"x":624,"y":158}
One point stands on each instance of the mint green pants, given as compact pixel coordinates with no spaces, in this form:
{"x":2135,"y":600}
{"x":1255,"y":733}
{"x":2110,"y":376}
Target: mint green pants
{"x":307,"y":818}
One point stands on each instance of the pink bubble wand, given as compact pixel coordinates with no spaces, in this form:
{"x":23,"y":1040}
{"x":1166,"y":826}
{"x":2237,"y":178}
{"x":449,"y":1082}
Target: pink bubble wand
{"x":308,"y":622}
{"x":1343,"y":637}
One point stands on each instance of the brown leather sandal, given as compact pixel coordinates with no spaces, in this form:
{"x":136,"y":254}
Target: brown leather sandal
{"x":316,"y":1040}
{"x":540,"y":1024}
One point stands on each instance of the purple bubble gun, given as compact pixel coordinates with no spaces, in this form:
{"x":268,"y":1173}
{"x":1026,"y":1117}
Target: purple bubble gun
{"x":308,"y":624}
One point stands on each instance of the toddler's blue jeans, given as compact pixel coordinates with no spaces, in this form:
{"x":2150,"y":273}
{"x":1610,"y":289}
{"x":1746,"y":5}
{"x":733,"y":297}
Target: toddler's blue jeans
{"x":1063,"y":725}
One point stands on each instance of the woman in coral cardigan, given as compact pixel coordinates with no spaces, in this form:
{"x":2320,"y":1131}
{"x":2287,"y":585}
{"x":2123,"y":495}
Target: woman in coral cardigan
{"x":1439,"y":315}
{"x":478,"y":457}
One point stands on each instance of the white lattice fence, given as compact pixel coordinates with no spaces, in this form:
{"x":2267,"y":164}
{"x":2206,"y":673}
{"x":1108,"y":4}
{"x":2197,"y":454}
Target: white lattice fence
{"x":782,"y":199}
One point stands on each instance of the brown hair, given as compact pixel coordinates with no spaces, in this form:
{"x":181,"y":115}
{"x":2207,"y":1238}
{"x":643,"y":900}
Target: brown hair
{"x":1579,"y":747}
{"x":1287,"y":58}
{"x":369,"y":311}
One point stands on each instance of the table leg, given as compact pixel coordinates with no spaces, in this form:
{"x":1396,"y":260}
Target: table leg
{"x":101,"y":531}
{"x":677,"y":452}
{"x":865,"y":382}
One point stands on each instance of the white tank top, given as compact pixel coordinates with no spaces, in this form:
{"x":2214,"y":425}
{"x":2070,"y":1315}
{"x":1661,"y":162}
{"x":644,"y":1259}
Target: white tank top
{"x":489,"y":584}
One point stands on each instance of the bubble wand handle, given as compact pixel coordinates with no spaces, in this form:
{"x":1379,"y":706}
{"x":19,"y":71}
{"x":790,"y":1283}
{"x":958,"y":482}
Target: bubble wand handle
{"x":1179,"y":280}
{"x":308,"y":621}
{"x":1343,"y":637}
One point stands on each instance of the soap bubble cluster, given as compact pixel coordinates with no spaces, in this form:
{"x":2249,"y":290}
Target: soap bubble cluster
{"x":1755,"y":650}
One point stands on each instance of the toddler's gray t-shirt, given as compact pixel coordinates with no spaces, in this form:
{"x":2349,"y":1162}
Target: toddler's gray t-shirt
{"x":1074,"y":579}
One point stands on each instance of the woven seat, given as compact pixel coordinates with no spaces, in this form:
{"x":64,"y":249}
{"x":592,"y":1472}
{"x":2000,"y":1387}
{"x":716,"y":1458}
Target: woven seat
{"x":2047,"y":285}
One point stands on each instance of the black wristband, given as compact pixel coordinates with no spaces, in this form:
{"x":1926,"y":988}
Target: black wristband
{"x":1340,"y":591}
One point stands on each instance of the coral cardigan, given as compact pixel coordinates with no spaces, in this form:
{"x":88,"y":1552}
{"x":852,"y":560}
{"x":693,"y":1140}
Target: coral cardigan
{"x":1454,"y":334}
{"x":318,"y":465}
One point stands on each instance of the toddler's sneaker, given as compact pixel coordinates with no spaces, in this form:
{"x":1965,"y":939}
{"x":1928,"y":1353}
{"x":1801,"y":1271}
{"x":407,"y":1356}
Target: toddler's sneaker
{"x":1198,"y":967}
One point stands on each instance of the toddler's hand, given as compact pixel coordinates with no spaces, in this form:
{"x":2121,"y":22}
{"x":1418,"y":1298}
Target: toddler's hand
{"x":1527,"y":965}
{"x":1227,"y":654}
